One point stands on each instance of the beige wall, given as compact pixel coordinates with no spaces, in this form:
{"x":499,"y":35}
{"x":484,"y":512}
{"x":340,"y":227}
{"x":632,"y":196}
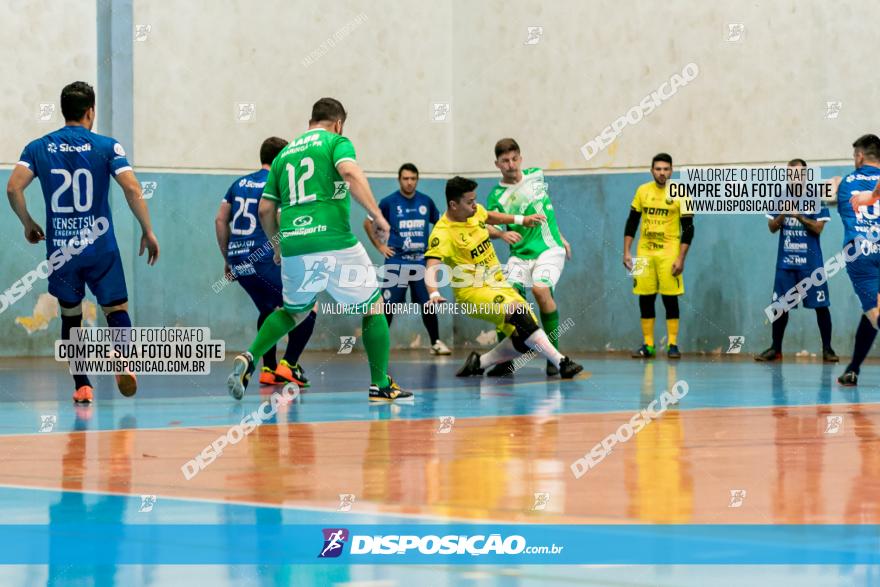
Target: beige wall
{"x":43,"y":49}
{"x":203,"y":57}
{"x":758,"y":99}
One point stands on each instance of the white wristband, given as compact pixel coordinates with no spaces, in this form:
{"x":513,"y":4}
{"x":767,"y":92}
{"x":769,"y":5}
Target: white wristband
{"x":434,"y":295}
{"x":518,"y":219}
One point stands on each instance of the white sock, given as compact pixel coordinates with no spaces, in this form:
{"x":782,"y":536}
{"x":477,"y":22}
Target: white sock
{"x":503,"y":351}
{"x":539,"y":342}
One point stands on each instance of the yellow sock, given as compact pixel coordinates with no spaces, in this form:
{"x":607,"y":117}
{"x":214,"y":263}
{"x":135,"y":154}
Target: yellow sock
{"x":648,"y":330}
{"x":672,"y":330}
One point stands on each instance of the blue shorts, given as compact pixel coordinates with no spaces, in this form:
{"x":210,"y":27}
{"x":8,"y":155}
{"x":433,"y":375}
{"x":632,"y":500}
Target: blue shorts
{"x":864,"y":273}
{"x":102,"y":274}
{"x":396,"y":294}
{"x":786,"y":279}
{"x":262,"y":282}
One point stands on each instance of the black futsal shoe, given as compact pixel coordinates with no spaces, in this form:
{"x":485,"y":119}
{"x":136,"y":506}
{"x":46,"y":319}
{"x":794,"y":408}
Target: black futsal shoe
{"x":471,"y":366}
{"x":552,"y":370}
{"x":848,"y":379}
{"x":503,"y":369}
{"x":829,"y":356}
{"x":568,"y":368}
{"x":769,"y":356}
{"x":242,"y":369}
{"x":389,"y":393}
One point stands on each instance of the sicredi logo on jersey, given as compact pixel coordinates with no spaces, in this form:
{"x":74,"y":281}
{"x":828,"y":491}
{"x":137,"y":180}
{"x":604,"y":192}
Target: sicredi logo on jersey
{"x":65,"y":148}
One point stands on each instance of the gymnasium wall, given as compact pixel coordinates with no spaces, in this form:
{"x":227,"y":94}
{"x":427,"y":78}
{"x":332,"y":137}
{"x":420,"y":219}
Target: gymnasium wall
{"x":728,"y":275}
{"x":389,"y":62}
{"x":41,"y":45}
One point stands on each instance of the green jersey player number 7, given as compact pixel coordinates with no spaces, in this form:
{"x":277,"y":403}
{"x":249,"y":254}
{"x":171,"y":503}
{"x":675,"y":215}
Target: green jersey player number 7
{"x":312,"y":181}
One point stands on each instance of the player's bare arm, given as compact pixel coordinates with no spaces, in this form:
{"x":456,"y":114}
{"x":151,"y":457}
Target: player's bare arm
{"x":268,"y":213}
{"x":509,"y":236}
{"x":222,"y":229}
{"x":19,"y":180}
{"x":567,"y":247}
{"x":529,"y":221}
{"x":131,"y":187}
{"x":431,"y":268}
{"x":383,"y":248}
{"x":360,"y":190}
{"x":774,"y":224}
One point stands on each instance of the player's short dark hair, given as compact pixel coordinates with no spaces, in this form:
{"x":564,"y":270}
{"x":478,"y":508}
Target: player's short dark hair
{"x":270,"y":149}
{"x":407,"y":167}
{"x":328,"y":110}
{"x":506,"y":146}
{"x":457,"y":187}
{"x":76,"y":99}
{"x":664,"y":157}
{"x":869,"y":145}
{"x":797,"y":161}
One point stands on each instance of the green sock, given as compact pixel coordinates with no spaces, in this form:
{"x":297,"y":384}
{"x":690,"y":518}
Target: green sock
{"x":274,"y":327}
{"x":550,"y":322}
{"x":377,"y":341}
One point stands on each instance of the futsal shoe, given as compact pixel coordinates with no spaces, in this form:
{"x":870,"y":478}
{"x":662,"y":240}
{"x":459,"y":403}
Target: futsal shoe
{"x":848,"y":379}
{"x":646,"y":351}
{"x":440,"y":348}
{"x":472,"y":366}
{"x":769,"y":356}
{"x":568,"y":368}
{"x":552,"y":370}
{"x":267,"y":376}
{"x":83,"y":395}
{"x":126,"y":383}
{"x":502,"y":369}
{"x":288,"y":373}
{"x":829,"y":356}
{"x":389,"y":393}
{"x":672,"y":352}
{"x":242,"y":369}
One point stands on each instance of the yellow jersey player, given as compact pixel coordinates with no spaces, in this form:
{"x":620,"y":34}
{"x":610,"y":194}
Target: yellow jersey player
{"x":460,"y":240}
{"x":666,"y":235}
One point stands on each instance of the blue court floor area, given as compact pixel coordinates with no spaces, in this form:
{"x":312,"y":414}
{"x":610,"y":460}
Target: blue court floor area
{"x":36,"y":406}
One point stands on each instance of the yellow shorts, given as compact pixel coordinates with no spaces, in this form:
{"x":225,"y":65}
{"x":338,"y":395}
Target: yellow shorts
{"x":653,"y":274}
{"x":491,"y":304}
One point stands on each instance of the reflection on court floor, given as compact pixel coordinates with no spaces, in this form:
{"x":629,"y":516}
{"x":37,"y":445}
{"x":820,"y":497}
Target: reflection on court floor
{"x":749,"y":444}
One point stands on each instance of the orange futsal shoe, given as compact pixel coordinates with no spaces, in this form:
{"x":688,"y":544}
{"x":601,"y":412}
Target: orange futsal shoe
{"x":287,"y":373}
{"x":83,"y":395}
{"x":267,"y":376}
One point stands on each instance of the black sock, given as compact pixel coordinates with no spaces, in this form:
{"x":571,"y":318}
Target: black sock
{"x":823,"y":319}
{"x":429,"y":319}
{"x":269,"y":359}
{"x":299,"y":338}
{"x":68,"y":322}
{"x":865,"y":335}
{"x":779,"y":331}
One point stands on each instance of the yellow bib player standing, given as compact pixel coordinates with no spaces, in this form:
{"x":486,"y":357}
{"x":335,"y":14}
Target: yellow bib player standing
{"x":666,"y":235}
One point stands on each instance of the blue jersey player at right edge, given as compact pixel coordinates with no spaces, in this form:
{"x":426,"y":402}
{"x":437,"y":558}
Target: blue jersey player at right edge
{"x":74,"y":166}
{"x":860,"y":218}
